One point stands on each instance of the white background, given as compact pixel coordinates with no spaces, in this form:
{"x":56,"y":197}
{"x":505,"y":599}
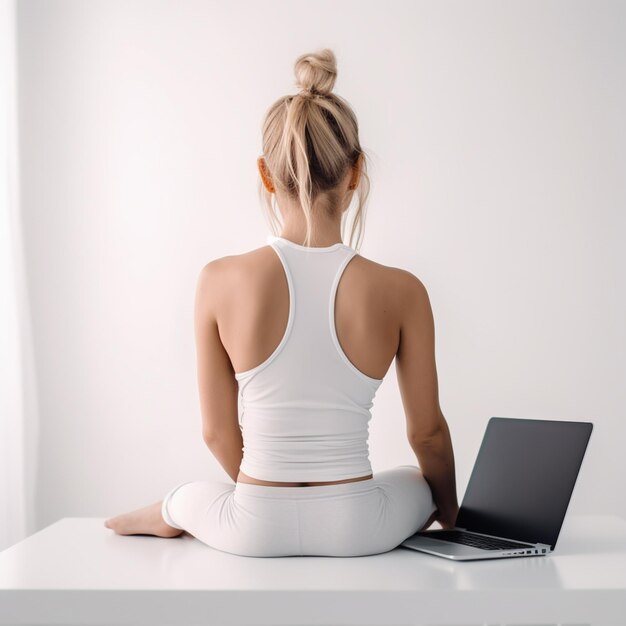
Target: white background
{"x":496,"y":132}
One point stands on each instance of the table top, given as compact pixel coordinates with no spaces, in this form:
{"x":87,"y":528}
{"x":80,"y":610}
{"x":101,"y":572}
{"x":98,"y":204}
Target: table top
{"x":77,"y":555}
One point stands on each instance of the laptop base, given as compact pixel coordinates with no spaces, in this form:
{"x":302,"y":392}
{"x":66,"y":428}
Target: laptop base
{"x":462,"y":552}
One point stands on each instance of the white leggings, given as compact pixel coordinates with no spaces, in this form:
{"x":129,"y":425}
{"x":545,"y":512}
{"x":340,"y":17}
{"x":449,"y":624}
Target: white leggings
{"x":349,"y":519}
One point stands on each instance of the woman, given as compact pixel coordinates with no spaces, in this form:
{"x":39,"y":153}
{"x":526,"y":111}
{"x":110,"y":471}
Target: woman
{"x":303,"y":330}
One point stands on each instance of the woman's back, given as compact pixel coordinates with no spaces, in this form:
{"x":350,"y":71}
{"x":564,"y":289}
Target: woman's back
{"x":254,"y":309}
{"x":306,"y":395}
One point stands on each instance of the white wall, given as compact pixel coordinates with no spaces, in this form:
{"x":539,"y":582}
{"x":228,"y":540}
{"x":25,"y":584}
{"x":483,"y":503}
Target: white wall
{"x":497,"y":134}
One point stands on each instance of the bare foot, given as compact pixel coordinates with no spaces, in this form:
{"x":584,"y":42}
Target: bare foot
{"x":145,"y":521}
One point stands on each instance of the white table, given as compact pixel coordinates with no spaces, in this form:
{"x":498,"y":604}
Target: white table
{"x":76,"y":571}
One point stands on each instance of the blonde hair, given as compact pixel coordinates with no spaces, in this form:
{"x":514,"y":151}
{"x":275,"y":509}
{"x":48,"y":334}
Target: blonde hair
{"x":310,"y":143}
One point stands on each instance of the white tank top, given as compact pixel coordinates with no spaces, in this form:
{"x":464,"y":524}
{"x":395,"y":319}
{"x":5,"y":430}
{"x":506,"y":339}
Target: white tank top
{"x":305,"y":410}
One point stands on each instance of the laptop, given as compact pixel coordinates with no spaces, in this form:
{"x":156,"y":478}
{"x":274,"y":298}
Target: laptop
{"x":517,"y":494}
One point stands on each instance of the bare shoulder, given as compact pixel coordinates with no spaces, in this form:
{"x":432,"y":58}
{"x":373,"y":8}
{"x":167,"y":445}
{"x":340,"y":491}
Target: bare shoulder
{"x":390,"y":284}
{"x":232,"y":269}
{"x":213,"y":271}
{"x":373,"y":269}
{"x":233,"y":262}
{"x":407,"y":289}
{"x":414,"y":292}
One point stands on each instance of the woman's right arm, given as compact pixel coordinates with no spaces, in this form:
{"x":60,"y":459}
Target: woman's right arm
{"x":427,"y":428}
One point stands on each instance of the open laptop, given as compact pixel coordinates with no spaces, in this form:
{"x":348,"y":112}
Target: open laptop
{"x":517,"y":494}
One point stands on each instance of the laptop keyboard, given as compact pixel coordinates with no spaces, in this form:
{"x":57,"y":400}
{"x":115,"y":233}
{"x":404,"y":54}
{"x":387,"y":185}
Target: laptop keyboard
{"x":476,"y":541}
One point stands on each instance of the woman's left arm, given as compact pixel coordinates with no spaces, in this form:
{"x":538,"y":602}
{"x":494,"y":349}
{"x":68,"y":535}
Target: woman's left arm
{"x":217,"y":384}
{"x":227,"y":448}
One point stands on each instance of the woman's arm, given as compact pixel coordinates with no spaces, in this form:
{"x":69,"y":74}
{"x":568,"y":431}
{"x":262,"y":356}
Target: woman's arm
{"x":217,"y":385}
{"x":436,"y":460}
{"x":427,"y":429}
{"x":227,"y":448}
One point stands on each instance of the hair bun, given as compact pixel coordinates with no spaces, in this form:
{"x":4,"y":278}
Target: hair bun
{"x":316,"y":72}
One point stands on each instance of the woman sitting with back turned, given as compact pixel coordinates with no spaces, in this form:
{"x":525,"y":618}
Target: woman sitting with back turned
{"x":301,"y":332}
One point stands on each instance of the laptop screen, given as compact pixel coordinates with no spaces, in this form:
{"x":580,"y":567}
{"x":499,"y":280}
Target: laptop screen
{"x":523,"y":478}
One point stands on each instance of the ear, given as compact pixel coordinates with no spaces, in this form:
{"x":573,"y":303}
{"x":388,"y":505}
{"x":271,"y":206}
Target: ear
{"x":356,"y":172}
{"x":265,"y":175}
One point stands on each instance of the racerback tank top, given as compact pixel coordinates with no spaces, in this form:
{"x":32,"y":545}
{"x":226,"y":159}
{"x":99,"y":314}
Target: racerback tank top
{"x":305,"y":411}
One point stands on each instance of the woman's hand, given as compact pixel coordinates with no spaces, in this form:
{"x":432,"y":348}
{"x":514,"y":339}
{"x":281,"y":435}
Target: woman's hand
{"x":447,"y":519}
